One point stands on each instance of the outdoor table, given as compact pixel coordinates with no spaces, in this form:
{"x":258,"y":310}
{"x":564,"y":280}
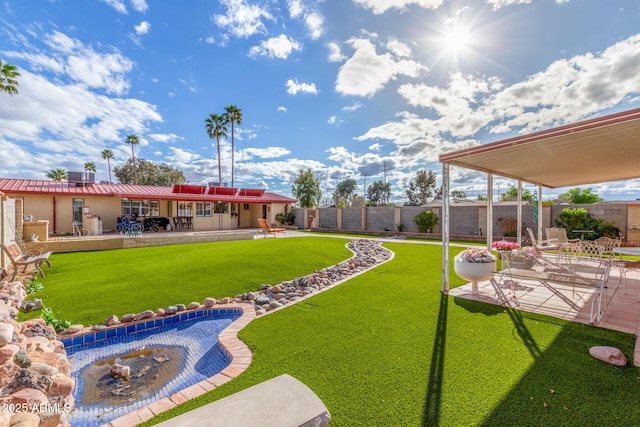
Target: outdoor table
{"x":582,"y":233}
{"x":632,"y":251}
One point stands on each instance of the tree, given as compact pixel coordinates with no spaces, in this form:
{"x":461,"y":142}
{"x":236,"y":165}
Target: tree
{"x":232,"y":115}
{"x":580,"y":196}
{"x":306,"y":188}
{"x":149,"y":173}
{"x":512,"y":194}
{"x":108,"y":155}
{"x":378,"y":193}
{"x":217,"y":128}
{"x":8,"y":82}
{"x":421,"y":187}
{"x":344,"y":192}
{"x":57,"y":174}
{"x":459,"y":194}
{"x":133,"y":140}
{"x":90,"y":167}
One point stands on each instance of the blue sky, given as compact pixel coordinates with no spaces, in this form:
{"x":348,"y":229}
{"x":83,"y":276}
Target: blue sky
{"x":348,"y":88}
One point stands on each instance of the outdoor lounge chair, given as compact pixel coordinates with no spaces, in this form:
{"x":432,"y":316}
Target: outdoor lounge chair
{"x":543,"y":245}
{"x":267,"y":229}
{"x":20,"y":259}
{"x":560,"y":234}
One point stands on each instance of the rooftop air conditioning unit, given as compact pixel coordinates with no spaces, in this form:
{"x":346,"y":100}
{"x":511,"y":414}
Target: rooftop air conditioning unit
{"x":81,"y":178}
{"x":218,"y":184}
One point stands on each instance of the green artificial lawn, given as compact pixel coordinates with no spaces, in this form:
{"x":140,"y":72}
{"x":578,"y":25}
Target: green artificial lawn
{"x":88,"y":287}
{"x":387,"y":348}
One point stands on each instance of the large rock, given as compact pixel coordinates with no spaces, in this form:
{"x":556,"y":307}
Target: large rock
{"x":26,"y":379}
{"x":209,"y":302}
{"x":8,"y":352}
{"x":8,"y":371}
{"x":111,"y":320}
{"x":24,"y":419}
{"x":61,"y":385}
{"x":6,"y":333}
{"x":127,"y":318}
{"x":193,"y":305}
{"x":144,"y":315}
{"x":74,"y":329}
{"x":608,"y":354}
{"x":29,"y":396}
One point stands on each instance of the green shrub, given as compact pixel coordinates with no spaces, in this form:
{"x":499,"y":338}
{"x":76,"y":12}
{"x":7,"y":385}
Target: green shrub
{"x":425,"y":221}
{"x":580,"y":219}
{"x":288,"y":217}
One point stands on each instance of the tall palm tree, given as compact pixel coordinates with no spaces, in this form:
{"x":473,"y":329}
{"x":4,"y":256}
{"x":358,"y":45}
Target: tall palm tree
{"x":232,"y":115}
{"x":90,"y":167}
{"x":108,"y":155}
{"x":216,"y":128}
{"x":8,"y":83}
{"x":133,"y":140}
{"x":57,"y":174}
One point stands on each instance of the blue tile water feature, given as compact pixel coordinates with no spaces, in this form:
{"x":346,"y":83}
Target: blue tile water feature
{"x":196,"y":332}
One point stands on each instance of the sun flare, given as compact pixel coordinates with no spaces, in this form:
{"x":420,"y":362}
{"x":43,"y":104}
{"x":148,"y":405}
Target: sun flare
{"x":455,"y":39}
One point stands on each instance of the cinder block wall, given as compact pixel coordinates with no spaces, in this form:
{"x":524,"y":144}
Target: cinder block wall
{"x":381,"y":218}
{"x":352,"y":218}
{"x":329,"y":218}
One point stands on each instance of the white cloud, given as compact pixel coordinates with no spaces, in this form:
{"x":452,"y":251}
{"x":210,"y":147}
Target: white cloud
{"x":118,"y":5}
{"x":71,"y":58}
{"x":165,"y":137}
{"x":399,"y":49}
{"x":375,"y":147}
{"x":276,"y":47}
{"x":332,"y":120}
{"x":283,"y":109}
{"x":381,"y":6}
{"x":210,"y":40}
{"x":497,"y":4}
{"x":243,"y":19}
{"x":352,"y":107}
{"x":265,"y":153}
{"x":143,"y":27}
{"x":140,"y":5}
{"x":335,"y":54}
{"x":366,"y":72}
{"x":293,"y":87}
{"x":313,"y":19}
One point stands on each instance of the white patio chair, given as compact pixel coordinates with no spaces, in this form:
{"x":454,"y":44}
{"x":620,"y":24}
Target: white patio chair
{"x":543,"y":245}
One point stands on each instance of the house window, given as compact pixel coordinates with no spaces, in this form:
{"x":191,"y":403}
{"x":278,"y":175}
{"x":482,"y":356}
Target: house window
{"x":77,"y":210}
{"x":184,"y":208}
{"x":140,"y":208}
{"x":204,"y":208}
{"x":221,"y":207}
{"x":245,"y":206}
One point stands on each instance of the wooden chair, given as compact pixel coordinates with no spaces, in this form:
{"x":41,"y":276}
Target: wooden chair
{"x":20,"y":259}
{"x":267,"y":229}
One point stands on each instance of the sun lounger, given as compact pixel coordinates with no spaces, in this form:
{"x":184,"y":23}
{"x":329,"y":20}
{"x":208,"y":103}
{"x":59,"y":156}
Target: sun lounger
{"x":267,"y":229}
{"x":19,"y":259}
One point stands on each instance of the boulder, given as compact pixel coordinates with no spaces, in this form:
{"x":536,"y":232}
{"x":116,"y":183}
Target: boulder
{"x":144,"y":315}
{"x":27,"y":380}
{"x":43,"y":369}
{"x":6,"y":333}
{"x":61,"y":385}
{"x":160,"y":312}
{"x":29,"y":396}
{"x":8,"y":352}
{"x":24,"y":419}
{"x":120,"y":371}
{"x":225,"y":300}
{"x":111,"y":320}
{"x":8,"y":371}
{"x":74,"y":329}
{"x":22,"y":359}
{"x":608,"y":354}
{"x":193,"y":306}
{"x":40,"y":330}
{"x":209,"y":302}
{"x":127,"y":318}
{"x":181,"y":307}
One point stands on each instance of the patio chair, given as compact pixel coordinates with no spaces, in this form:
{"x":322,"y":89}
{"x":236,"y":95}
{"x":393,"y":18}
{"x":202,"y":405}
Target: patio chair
{"x":560,"y":234}
{"x":267,"y":229}
{"x":608,"y":244}
{"x":20,"y":259}
{"x":543,"y":245}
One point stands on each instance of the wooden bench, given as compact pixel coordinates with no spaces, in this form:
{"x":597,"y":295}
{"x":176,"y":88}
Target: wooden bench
{"x":267,"y":229}
{"x":19,"y":259}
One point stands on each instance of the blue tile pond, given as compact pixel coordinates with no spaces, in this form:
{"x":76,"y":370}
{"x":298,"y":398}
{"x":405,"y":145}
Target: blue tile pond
{"x":164,"y":356}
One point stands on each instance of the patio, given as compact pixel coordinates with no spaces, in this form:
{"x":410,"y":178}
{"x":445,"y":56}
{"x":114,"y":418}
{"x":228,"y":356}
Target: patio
{"x":557,"y":299}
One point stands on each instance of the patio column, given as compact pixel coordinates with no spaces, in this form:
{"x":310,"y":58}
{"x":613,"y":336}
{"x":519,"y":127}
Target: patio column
{"x":489,"y":210}
{"x":540,"y":212}
{"x":519,"y":214}
{"x":445,"y":228}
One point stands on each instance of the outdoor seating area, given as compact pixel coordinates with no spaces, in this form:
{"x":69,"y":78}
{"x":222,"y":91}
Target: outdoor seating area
{"x":182,"y":223}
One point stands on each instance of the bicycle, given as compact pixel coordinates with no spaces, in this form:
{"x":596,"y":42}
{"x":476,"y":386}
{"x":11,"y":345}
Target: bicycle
{"x":128,"y":227}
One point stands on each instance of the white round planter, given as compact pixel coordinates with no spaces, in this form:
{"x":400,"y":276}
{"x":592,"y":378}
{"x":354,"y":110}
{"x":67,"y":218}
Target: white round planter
{"x":474,"y":272}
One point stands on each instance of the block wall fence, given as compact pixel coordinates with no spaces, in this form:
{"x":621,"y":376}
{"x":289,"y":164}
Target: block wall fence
{"x":465,"y":220}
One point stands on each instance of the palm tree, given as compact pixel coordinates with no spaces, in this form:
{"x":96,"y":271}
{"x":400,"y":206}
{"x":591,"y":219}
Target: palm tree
{"x":8,"y":83}
{"x":108,"y":155}
{"x":232,"y":115}
{"x":216,"y":128}
{"x":90,"y":167}
{"x":57,"y":174}
{"x":133,"y":140}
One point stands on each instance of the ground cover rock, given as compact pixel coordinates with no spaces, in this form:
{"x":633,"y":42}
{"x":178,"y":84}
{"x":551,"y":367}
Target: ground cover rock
{"x":209,"y":302}
{"x":608,"y":354}
{"x":193,"y":305}
{"x":6,"y":333}
{"x":144,"y":315}
{"x":74,"y":329}
{"x":127,"y":318}
{"x":111,"y":320}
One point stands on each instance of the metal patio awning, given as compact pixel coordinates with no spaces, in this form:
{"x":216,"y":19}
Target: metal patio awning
{"x":604,"y":149}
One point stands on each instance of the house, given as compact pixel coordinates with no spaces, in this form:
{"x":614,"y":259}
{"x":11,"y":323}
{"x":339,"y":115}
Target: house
{"x":67,"y":204}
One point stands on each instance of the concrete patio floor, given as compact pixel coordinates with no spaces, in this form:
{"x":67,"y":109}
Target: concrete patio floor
{"x":559,"y":300}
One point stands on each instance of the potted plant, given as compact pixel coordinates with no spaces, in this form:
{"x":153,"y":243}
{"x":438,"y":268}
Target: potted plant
{"x":503,"y":245}
{"x":475,"y":265}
